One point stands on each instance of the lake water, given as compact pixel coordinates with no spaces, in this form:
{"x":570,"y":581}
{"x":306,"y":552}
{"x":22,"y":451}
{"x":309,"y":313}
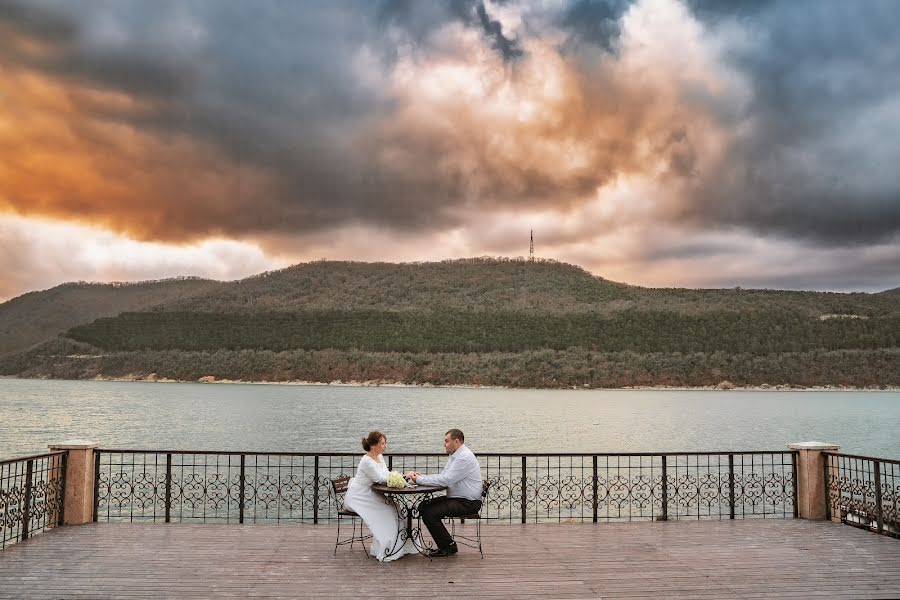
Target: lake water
{"x":36,"y":413}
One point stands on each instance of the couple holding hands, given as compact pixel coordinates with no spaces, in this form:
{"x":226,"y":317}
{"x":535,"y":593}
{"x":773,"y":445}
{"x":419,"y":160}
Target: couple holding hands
{"x":461,"y":476}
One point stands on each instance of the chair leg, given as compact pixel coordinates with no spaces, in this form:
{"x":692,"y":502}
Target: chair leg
{"x":478,"y":535}
{"x":338,"y":539}
{"x":353,"y":535}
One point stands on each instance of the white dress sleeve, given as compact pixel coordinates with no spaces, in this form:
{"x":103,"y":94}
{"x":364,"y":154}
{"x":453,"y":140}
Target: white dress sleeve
{"x":372,"y":471}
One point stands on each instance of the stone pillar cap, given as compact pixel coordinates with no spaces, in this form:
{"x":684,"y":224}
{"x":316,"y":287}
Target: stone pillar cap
{"x":74,"y":445}
{"x":813,"y":446}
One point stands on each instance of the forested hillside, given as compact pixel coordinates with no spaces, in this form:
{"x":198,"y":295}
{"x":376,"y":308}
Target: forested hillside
{"x":38,"y":316}
{"x":477,"y":321}
{"x":762,"y":332}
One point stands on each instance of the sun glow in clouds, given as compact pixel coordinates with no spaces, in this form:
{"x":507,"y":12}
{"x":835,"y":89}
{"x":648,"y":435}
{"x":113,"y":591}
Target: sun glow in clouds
{"x":48,"y":252}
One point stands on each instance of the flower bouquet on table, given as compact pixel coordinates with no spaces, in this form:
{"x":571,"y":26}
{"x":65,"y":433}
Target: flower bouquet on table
{"x":395,"y":480}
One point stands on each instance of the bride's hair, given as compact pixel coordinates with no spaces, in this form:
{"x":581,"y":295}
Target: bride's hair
{"x":372,"y":440}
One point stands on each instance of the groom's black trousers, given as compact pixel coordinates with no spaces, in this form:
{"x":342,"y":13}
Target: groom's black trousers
{"x":435,"y":509}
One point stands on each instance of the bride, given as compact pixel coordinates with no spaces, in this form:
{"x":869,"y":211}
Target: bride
{"x":378,"y":514}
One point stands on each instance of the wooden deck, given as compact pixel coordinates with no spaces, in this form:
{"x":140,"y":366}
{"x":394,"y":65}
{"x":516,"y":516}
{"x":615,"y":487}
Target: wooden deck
{"x":730,"y":559}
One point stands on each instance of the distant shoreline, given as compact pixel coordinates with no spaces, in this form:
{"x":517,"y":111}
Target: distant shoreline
{"x":398,"y":384}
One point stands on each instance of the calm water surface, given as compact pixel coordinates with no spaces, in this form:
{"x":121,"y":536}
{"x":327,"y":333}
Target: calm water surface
{"x":36,"y":413}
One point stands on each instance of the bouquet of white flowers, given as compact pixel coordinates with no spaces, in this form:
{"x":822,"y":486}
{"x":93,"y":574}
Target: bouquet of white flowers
{"x":395,"y":480}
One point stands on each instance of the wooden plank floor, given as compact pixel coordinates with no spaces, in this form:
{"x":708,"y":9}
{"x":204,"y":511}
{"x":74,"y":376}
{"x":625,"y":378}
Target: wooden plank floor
{"x":730,"y":559}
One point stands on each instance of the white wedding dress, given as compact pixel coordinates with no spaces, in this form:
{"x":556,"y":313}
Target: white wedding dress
{"x":379,"y":514}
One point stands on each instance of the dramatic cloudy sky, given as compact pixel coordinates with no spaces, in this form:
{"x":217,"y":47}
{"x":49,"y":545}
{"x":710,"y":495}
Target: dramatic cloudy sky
{"x":656,"y":142}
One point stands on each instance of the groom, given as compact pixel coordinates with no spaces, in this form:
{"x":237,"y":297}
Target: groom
{"x":462,"y":476}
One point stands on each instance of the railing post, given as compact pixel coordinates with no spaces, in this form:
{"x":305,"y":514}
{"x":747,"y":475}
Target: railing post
{"x":78,"y":500}
{"x":665,"y":490}
{"x":241,"y":491}
{"x":96,"y":510}
{"x":878,"y":511}
{"x":794,"y":486}
{"x":811,"y":479}
{"x":524,"y":489}
{"x":731,"y":486}
{"x":56,"y":485}
{"x":169,"y":487}
{"x":316,"y":489}
{"x":595,"y":486}
{"x":63,"y":463}
{"x":26,"y":508}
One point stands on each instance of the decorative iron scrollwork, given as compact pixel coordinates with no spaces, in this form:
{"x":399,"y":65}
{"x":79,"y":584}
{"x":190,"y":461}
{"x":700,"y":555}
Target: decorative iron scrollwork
{"x":31,"y":496}
{"x":285,"y":490}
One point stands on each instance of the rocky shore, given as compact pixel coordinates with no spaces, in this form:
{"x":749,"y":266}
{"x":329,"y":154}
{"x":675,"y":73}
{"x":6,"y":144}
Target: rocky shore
{"x":723,"y":386}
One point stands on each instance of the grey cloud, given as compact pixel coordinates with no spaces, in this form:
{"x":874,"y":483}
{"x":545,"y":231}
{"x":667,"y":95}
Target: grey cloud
{"x":34,"y":19}
{"x":421,"y":19}
{"x":508,"y":48}
{"x":594,"y":22}
{"x":137,"y":67}
{"x":815,"y":157}
{"x":730,"y":9}
{"x":687,"y":249}
{"x":840,"y":273}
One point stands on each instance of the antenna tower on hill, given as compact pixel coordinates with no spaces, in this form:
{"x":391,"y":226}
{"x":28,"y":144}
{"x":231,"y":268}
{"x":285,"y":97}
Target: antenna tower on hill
{"x":531,"y":248}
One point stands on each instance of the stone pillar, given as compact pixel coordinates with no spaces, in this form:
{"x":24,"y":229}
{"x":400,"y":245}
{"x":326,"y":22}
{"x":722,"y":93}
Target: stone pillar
{"x":78,"y":504}
{"x":811,"y":478}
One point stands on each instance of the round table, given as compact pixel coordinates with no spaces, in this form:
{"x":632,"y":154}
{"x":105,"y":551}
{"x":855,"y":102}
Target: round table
{"x":406,"y":500}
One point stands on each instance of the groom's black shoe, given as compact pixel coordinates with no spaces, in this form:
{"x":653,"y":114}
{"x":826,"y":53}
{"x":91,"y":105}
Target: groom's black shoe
{"x":444,"y":552}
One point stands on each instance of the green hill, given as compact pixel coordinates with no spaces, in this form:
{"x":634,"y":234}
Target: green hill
{"x":484,"y":321}
{"x":469,"y":285}
{"x":492,"y":285}
{"x":38,"y":316}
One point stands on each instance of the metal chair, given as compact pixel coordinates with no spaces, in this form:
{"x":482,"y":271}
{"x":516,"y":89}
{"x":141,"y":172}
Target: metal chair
{"x":339,"y":487}
{"x":471,"y":542}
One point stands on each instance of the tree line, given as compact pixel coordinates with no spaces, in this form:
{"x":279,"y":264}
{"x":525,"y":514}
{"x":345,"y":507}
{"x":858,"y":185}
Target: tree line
{"x":755,"y":333}
{"x":573,"y":367}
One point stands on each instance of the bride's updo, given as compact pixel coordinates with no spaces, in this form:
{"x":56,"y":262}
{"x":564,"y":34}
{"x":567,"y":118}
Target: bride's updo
{"x":371,"y":440}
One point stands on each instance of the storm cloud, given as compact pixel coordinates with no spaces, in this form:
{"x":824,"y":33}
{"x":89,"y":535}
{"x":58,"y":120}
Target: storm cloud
{"x":816,"y":140}
{"x":279,"y":122}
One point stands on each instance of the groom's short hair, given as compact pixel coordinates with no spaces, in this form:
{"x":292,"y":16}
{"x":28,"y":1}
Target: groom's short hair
{"x":456,"y":434}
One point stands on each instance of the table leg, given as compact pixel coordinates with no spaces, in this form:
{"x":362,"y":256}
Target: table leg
{"x":401,"y":538}
{"x":409,"y":534}
{"x":414,"y":534}
{"x":417,"y":536}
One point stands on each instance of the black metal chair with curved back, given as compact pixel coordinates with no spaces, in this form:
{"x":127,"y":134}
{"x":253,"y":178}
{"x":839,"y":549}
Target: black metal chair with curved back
{"x":339,"y":487}
{"x":472,"y":542}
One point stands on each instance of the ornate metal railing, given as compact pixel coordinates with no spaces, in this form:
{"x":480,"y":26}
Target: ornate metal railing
{"x":31,"y":495}
{"x":182,"y":486}
{"x":863,"y":491}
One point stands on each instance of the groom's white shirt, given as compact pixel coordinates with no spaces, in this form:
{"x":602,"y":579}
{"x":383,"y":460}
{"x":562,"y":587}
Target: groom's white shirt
{"x":461,"y":475}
